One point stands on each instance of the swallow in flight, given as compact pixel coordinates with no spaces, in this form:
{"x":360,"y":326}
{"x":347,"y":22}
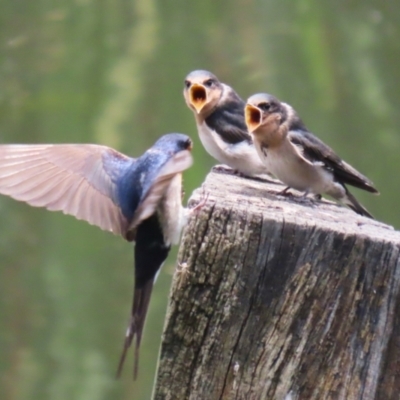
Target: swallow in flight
{"x":219,"y":115}
{"x":139,"y":199}
{"x":297,"y":157}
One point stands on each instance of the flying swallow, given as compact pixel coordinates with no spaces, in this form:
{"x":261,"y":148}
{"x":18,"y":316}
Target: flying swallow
{"x":298,"y":158}
{"x":219,"y":114}
{"x":139,"y":199}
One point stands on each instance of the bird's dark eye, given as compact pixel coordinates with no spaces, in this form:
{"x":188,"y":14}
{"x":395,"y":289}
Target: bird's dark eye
{"x":187,"y":84}
{"x":209,"y":82}
{"x":265,"y":106}
{"x":188,"y":144}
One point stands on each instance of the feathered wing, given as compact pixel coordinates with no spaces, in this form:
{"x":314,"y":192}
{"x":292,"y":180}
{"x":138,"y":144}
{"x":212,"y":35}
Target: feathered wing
{"x":315,"y":150}
{"x":71,"y":178}
{"x":227,"y":120}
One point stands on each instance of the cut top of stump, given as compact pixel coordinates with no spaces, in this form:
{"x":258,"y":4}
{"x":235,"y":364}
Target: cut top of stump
{"x":263,"y":197}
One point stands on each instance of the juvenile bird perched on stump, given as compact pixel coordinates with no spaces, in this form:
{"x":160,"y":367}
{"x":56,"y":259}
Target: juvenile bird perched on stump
{"x":219,"y":115}
{"x":139,"y":199}
{"x":298,"y":158}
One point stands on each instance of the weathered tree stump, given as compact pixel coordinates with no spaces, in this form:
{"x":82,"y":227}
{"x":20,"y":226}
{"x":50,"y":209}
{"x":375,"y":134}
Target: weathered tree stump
{"x":281,"y":298}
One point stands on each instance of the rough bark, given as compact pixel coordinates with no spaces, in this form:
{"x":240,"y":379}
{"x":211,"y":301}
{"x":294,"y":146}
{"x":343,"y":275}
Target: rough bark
{"x":281,"y":298}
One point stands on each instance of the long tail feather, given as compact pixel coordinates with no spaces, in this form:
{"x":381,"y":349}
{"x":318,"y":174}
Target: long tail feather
{"x":353,"y":203}
{"x":140,"y":305}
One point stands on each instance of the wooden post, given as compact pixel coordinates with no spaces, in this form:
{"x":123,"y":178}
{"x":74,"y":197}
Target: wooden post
{"x":281,"y":298}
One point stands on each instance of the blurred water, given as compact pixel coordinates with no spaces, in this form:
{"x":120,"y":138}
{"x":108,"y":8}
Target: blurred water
{"x":112,"y":73}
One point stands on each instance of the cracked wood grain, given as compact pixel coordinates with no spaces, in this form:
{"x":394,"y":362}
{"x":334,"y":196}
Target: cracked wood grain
{"x":281,"y":298}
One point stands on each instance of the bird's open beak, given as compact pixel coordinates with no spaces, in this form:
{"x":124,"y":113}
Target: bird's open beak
{"x":253,"y":117}
{"x":198,"y":97}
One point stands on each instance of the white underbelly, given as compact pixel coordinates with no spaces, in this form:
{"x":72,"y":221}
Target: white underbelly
{"x":299,"y":174}
{"x":242,"y":156}
{"x":171,"y":212}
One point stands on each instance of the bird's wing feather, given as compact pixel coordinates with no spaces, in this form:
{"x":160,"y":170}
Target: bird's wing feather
{"x":151,"y":198}
{"x":228,"y":120}
{"x":70,"y":178}
{"x":314,"y":150}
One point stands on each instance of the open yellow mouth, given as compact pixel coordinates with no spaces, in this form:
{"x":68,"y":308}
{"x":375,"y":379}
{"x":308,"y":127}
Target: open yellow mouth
{"x":198,"y":97}
{"x":253,"y":117}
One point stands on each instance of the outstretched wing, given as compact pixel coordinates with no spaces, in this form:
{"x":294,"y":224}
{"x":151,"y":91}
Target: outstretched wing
{"x":77,"y":179}
{"x":315,"y":150}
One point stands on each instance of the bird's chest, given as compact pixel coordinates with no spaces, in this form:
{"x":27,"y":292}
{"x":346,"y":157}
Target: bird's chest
{"x":213,"y":142}
{"x":291,"y":168}
{"x":240,"y":156}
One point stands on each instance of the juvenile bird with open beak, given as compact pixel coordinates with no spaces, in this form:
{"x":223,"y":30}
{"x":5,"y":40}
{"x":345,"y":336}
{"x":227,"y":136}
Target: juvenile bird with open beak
{"x":298,"y":158}
{"x":219,"y":115}
{"x":139,"y":199}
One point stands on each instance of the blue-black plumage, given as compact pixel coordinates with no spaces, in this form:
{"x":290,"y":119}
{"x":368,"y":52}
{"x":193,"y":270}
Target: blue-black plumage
{"x":136,"y":178}
{"x":139,"y":199}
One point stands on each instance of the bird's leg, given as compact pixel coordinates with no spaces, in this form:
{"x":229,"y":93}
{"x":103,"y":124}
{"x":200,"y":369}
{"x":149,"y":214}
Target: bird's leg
{"x":188,"y":212}
{"x":315,"y":196}
{"x":228,"y":170}
{"x":285,"y":192}
{"x":223,"y":169}
{"x":201,"y":203}
{"x":305,"y":195}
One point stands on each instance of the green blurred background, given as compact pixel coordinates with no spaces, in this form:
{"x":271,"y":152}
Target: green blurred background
{"x":112,"y":72}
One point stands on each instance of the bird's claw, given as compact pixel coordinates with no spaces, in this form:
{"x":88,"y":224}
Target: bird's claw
{"x":200,"y":204}
{"x":311,"y":196}
{"x":285,"y":192}
{"x":221,"y":168}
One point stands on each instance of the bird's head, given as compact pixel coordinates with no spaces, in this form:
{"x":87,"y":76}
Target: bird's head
{"x":173,"y":143}
{"x":202,"y":91}
{"x":265,"y":115}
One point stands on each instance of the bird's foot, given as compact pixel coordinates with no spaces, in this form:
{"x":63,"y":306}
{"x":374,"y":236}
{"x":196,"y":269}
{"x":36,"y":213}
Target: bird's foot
{"x":313,"y":197}
{"x":310,"y":198}
{"x":223,"y":169}
{"x":201,"y":203}
{"x":285,"y":192}
{"x":229,"y":171}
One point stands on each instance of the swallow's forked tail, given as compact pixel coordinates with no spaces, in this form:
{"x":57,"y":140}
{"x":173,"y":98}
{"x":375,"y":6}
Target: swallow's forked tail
{"x":353,"y":203}
{"x":141,"y":300}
